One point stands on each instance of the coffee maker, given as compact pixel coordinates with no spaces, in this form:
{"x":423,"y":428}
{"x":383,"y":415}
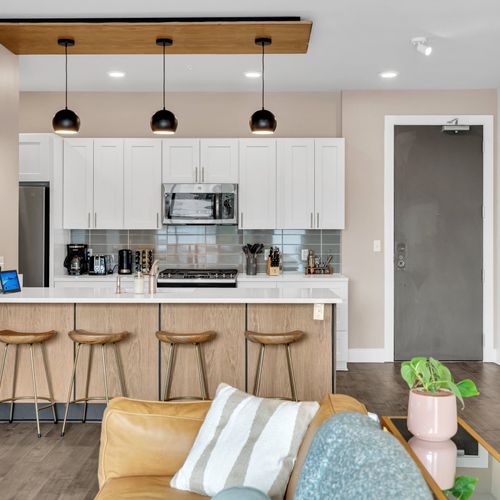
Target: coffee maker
{"x":76,"y":259}
{"x":125,"y":261}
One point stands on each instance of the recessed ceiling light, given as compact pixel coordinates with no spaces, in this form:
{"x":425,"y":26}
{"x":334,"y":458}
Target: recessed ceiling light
{"x":252,"y":74}
{"x":421,"y":45}
{"x":388,"y":74}
{"x":116,"y":74}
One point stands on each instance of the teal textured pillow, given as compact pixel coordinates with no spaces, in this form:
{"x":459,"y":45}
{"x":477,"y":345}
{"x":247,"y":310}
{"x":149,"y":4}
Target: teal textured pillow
{"x":241,"y":493}
{"x":351,"y":458}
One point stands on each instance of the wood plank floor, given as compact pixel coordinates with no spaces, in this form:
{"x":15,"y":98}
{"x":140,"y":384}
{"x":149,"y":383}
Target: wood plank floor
{"x":52,"y":468}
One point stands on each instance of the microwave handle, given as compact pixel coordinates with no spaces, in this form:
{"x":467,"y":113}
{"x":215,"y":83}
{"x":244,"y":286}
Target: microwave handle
{"x":217,"y":207}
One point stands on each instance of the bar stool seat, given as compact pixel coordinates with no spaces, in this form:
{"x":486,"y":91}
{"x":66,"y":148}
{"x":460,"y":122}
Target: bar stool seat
{"x":176,"y":339}
{"x":85,"y":337}
{"x":16,"y":339}
{"x":274,"y":339}
{"x":93,"y":339}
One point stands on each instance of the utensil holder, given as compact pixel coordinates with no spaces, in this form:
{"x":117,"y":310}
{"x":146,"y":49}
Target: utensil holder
{"x":251,"y":265}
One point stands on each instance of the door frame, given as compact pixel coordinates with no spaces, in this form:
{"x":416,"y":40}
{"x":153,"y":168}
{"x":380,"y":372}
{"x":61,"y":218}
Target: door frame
{"x":391,"y":121}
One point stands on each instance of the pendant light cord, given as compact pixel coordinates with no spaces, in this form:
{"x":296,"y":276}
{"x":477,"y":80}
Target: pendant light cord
{"x":262,"y":75}
{"x":163,"y":75}
{"x":66,"y":70}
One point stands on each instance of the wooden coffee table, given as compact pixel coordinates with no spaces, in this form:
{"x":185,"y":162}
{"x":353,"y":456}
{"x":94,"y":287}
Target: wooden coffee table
{"x":475,"y":457}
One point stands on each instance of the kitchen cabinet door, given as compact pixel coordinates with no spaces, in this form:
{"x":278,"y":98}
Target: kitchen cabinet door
{"x":142,"y":184}
{"x":35,"y":151}
{"x":219,"y":161}
{"x":108,"y":183}
{"x":329,"y":178}
{"x":295,"y":188}
{"x":78,"y":184}
{"x":181,"y":160}
{"x":257,"y":188}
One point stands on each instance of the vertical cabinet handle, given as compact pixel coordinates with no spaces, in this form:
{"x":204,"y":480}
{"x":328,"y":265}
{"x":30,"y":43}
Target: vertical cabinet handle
{"x":241,"y":219}
{"x":195,"y":174}
{"x":95,"y":220}
{"x":317,"y":220}
{"x":157,"y":219}
{"x":88,"y":220}
{"x":312,"y":220}
{"x":202,"y":174}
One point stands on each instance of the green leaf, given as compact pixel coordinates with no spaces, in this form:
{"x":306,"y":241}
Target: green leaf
{"x":453,"y":388}
{"x":408,"y":374}
{"x":467,"y":388}
{"x":415,"y":361}
{"x":444,"y":373}
{"x":422,"y":369}
{"x":463,"y":488}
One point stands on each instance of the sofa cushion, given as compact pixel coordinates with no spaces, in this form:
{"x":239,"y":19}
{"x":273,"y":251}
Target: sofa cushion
{"x":245,"y":441}
{"x":143,"y":488}
{"x":351,"y":457}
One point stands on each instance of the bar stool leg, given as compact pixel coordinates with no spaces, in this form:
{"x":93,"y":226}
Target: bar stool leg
{"x":4,"y":357}
{"x":14,"y":383}
{"x":70,"y":390}
{"x":258,"y":373}
{"x":87,"y":383}
{"x":169,"y":372}
{"x":33,"y":376}
{"x":202,"y":372}
{"x":120,"y":370}
{"x":291,"y":374}
{"x":49,"y":383}
{"x":104,"y":373}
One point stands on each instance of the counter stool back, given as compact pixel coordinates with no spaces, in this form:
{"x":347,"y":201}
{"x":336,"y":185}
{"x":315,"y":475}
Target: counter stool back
{"x":195,"y":339}
{"x":16,"y":339}
{"x":265,"y":339}
{"x":93,"y":339}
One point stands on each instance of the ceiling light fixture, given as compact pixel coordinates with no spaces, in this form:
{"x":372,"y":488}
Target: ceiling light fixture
{"x":66,"y":121}
{"x":263,"y":121}
{"x":253,"y":74}
{"x":421,"y":45}
{"x":388,"y":74}
{"x":164,"y":122}
{"x":116,"y":74}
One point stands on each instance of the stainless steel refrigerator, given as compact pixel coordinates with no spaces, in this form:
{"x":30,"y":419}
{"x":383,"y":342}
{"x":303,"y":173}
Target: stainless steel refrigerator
{"x":34,"y":233}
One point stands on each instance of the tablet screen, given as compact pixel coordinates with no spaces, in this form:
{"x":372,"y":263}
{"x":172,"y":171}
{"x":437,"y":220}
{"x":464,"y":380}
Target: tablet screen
{"x":9,"y":282}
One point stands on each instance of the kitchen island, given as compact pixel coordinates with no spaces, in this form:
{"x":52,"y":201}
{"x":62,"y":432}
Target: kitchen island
{"x":229,"y":358}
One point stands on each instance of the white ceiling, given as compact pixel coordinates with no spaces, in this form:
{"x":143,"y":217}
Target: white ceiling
{"x":352,"y":41}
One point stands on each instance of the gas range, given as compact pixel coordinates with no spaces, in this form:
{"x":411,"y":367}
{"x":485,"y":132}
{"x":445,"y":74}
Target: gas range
{"x":205,"y":278}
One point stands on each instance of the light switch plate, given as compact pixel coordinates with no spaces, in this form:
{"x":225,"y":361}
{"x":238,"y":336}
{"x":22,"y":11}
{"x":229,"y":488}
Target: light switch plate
{"x":319,"y":312}
{"x":377,"y":246}
{"x":304,"y":254}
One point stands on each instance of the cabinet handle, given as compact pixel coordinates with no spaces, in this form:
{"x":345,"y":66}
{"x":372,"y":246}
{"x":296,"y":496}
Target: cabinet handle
{"x":317,"y":220}
{"x":312,"y":220}
{"x":88,"y":220}
{"x":195,"y":174}
{"x":95,"y":220}
{"x":202,"y":174}
{"x":241,"y":219}
{"x":157,"y":219}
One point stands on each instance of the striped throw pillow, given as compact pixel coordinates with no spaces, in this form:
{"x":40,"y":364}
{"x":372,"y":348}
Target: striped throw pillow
{"x":245,"y":441}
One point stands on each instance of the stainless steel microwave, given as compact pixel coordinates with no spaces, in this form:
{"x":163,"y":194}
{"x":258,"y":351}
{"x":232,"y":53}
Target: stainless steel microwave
{"x":200,"y":203}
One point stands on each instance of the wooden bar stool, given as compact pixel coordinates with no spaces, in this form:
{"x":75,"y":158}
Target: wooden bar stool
{"x":83,"y":337}
{"x":265,"y":339}
{"x":10,"y":337}
{"x":196,"y":339}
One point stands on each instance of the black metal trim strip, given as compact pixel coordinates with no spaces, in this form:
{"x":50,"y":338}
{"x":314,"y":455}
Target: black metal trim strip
{"x":26,"y":412}
{"x":159,"y":354}
{"x":246,"y":349}
{"x":334,"y":350}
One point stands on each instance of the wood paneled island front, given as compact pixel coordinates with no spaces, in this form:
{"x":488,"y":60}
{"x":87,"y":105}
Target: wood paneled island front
{"x":229,"y":358}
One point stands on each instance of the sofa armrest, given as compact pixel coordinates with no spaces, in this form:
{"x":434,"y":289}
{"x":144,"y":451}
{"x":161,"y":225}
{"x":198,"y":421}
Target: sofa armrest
{"x":147,"y":438}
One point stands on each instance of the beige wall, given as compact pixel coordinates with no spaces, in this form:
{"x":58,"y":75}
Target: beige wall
{"x":214,"y":114}
{"x":363,"y":115}
{"x":9,"y":154}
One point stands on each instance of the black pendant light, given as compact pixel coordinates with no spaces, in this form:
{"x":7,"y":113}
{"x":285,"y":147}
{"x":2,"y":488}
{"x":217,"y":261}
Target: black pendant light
{"x":263,"y":121}
{"x":66,"y":121}
{"x":164,"y":122}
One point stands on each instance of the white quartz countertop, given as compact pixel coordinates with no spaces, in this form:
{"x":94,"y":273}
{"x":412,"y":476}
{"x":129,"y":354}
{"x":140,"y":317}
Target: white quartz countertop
{"x":173,"y":296}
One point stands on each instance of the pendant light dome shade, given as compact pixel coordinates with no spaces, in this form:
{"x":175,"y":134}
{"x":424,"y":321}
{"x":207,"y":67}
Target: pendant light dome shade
{"x":66,"y":121}
{"x":263,"y":121}
{"x":164,"y":122}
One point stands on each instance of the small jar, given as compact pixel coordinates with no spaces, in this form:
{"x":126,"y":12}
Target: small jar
{"x":139,"y":283}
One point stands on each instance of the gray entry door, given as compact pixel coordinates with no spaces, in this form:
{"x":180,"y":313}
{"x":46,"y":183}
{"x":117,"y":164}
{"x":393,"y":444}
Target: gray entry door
{"x":438,"y":234}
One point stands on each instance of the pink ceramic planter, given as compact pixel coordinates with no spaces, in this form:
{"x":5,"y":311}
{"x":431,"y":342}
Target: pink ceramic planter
{"x":432,"y":416}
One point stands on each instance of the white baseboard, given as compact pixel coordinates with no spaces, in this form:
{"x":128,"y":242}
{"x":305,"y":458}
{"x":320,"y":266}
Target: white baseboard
{"x":367,"y":356}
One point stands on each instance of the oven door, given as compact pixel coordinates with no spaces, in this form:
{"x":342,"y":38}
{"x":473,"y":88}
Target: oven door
{"x":200,"y":203}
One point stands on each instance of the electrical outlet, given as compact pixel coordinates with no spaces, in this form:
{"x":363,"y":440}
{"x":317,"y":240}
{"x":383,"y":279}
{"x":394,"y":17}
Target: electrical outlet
{"x":319,"y":312}
{"x":304,"y":254}
{"x":377,"y":246}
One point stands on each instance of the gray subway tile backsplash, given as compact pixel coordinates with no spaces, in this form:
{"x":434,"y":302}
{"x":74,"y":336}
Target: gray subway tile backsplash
{"x":214,"y":246}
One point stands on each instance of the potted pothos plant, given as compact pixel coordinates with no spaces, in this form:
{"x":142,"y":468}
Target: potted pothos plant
{"x":432,"y":406}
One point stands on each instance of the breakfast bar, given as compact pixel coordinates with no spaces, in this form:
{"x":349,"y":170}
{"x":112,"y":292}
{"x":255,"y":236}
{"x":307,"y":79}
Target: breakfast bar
{"x":229,"y":357}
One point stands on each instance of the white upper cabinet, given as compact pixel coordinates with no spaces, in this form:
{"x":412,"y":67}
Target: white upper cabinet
{"x":34,"y":157}
{"x":219,"y":161}
{"x":142,"y":184}
{"x":108,"y":183}
{"x":78,"y":182}
{"x":181,"y":160}
{"x":257,"y":188}
{"x":295,"y":190}
{"x":329,"y":178}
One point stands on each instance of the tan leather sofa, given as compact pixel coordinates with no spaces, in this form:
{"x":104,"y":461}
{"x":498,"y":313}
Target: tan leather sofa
{"x":144,"y":443}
